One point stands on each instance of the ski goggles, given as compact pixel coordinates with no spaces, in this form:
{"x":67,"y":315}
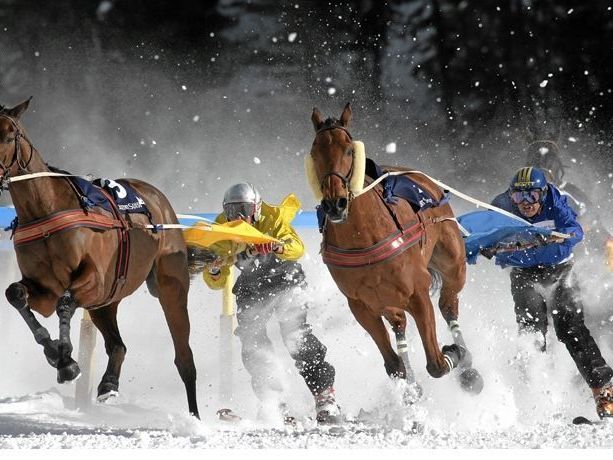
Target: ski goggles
{"x":530,"y":196}
{"x":236,"y":211}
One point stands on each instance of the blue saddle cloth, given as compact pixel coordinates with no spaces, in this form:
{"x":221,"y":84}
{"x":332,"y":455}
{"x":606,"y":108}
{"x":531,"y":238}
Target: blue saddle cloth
{"x":402,"y":186}
{"x":123,"y":194}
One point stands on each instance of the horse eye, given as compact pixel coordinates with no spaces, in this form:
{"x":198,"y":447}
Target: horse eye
{"x":349,"y":151}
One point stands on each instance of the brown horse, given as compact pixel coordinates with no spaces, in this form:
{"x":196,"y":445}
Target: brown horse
{"x":381,"y":255}
{"x":85,"y":263}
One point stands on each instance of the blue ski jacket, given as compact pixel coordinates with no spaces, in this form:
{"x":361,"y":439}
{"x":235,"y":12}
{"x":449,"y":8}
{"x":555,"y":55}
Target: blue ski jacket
{"x":555,"y":214}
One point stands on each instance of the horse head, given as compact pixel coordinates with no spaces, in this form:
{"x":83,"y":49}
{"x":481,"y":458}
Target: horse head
{"x":12,"y":139}
{"x":335,"y":167}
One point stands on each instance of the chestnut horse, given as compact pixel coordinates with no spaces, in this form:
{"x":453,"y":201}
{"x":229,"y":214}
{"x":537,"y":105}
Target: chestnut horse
{"x":78,"y":266}
{"x":380,"y":255}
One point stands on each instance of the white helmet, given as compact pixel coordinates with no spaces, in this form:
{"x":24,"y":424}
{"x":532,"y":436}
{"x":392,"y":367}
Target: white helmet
{"x":242,"y":200}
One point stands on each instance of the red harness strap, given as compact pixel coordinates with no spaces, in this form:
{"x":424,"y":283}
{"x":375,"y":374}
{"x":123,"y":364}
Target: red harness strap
{"x":123,"y":253}
{"x":61,"y":221}
{"x":391,"y":246}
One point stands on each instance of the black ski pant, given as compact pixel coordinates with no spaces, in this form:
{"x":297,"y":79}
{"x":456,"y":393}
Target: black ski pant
{"x":254,"y":311}
{"x":528,"y":287}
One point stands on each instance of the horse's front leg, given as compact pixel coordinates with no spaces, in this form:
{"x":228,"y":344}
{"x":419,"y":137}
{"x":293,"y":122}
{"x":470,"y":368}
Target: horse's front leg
{"x":398,"y":320}
{"x":373,"y":324}
{"x":67,"y":368}
{"x":18,"y":294}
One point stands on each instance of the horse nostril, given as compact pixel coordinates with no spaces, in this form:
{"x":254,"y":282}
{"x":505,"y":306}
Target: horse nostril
{"x":341,"y":204}
{"x":326,"y":206}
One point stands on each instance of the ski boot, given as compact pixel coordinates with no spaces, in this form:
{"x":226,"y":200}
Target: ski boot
{"x":326,"y":408}
{"x":604,"y":400}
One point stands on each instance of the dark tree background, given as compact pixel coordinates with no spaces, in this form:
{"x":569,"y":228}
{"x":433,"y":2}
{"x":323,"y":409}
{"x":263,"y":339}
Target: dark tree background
{"x":199,"y":93}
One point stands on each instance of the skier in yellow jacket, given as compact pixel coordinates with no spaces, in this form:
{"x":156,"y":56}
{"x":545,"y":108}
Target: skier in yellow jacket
{"x":272,"y":281}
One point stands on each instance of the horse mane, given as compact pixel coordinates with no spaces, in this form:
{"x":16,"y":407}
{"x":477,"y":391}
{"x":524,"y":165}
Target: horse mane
{"x":57,"y":170}
{"x":330,"y":123}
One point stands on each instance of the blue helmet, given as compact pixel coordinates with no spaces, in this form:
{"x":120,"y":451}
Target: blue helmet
{"x":529,"y":179}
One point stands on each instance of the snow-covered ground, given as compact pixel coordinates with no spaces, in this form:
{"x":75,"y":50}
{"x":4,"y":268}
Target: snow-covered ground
{"x":518,"y":408}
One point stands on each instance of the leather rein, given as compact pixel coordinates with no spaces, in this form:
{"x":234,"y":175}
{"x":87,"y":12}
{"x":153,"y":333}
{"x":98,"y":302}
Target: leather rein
{"x":345,"y":179}
{"x":23,"y":166}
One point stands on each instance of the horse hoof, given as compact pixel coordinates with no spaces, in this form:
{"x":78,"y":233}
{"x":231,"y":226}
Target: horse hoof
{"x":412,"y":393}
{"x":108,"y":396}
{"x":454,"y":354}
{"x":471,"y":381}
{"x":16,"y":294}
{"x":68,"y":373}
{"x":107,"y":389}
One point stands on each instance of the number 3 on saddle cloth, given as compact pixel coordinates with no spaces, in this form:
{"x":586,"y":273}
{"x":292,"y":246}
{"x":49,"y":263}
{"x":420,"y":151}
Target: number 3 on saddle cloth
{"x":125,"y":197}
{"x":394,"y":187}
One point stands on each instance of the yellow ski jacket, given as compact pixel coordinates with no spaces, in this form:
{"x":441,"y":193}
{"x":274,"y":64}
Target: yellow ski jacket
{"x":274,"y":221}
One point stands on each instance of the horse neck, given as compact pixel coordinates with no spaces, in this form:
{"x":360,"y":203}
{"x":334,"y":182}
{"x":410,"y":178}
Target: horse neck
{"x":42,"y":196}
{"x":368,"y":222}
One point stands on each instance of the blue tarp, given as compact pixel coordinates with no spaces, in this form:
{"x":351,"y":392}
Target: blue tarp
{"x":489,"y":228}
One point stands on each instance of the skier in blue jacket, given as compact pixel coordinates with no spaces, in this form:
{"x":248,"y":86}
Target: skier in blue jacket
{"x":549,"y":265}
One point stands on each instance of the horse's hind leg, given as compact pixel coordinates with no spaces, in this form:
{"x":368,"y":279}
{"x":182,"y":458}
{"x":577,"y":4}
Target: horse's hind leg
{"x":172,"y":280}
{"x":438,"y":363}
{"x":105,"y":320}
{"x":374,"y":326}
{"x":470,"y":379}
{"x":448,"y":304}
{"x":18,"y":294}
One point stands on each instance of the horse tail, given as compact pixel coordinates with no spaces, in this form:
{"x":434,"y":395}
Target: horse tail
{"x":436,"y":283}
{"x":197,"y":259}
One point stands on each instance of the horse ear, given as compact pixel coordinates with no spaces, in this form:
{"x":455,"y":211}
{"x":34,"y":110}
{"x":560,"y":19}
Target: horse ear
{"x":346,"y":115}
{"x":16,"y":111}
{"x":317,"y":119}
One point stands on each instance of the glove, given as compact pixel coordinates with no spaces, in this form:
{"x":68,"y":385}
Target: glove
{"x":264,"y":248}
{"x":487,"y":252}
{"x":214,"y":266}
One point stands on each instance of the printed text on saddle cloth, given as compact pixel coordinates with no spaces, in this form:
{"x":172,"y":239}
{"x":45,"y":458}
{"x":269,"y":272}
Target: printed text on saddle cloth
{"x":125,"y":197}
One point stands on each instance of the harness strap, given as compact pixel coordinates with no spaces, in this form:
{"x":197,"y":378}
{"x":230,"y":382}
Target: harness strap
{"x":61,"y":221}
{"x":44,"y":174}
{"x":391,"y":246}
{"x":123,"y":250}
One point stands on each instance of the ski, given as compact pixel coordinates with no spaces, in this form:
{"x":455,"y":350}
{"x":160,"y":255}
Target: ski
{"x":580,"y":420}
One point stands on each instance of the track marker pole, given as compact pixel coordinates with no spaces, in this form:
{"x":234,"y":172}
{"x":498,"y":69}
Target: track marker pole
{"x":86,"y":360}
{"x":227,"y":324}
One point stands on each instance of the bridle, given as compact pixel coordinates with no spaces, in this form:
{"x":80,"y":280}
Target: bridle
{"x":345,"y":179}
{"x":22,"y":165}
